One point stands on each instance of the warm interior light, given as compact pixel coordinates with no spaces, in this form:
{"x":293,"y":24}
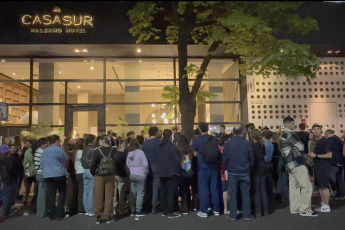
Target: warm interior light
{"x":85,"y":60}
{"x":14,"y":74}
{"x":76,"y":51}
{"x":85,"y":50}
{"x":3,"y":60}
{"x":79,"y":86}
{"x":154,"y":121}
{"x":166,"y":121}
{"x":329,"y":51}
{"x":338,"y":51}
{"x":91,"y":60}
{"x":153,"y":105}
{"x":91,"y":68}
{"x":138,"y":50}
{"x":139,"y":60}
{"x":153,"y":115}
{"x":60,"y":72}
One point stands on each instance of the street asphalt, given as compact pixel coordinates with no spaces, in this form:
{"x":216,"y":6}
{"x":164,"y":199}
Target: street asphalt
{"x":279,"y":219}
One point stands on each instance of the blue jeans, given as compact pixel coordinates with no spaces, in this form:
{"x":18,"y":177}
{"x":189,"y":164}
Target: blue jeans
{"x":88,"y":191}
{"x":243,"y":181}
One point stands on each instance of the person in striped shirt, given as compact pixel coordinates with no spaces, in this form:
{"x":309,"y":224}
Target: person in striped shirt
{"x":42,"y":193}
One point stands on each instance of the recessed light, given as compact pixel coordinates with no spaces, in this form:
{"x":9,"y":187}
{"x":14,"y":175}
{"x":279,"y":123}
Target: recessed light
{"x":14,"y":74}
{"x":3,"y":60}
{"x":329,"y":51}
{"x":338,"y":51}
{"x":91,"y":68}
{"x":138,"y":50}
{"x":76,"y":51}
{"x":139,"y":60}
{"x":85,"y":50}
{"x":79,"y":86}
{"x":60,"y":72}
{"x":107,"y":109}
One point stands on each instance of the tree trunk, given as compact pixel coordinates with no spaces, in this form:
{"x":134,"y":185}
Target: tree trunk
{"x":188,"y":111}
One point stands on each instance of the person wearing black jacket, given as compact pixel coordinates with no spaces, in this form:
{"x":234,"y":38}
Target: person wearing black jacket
{"x":259,"y":174}
{"x":9,"y":173}
{"x":122,"y":182}
{"x":168,"y":168}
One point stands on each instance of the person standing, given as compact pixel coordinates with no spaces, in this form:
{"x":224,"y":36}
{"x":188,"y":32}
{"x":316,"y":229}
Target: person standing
{"x":102,"y":167}
{"x":260,"y":171}
{"x":88,"y":179}
{"x":53,"y":162}
{"x":42,"y":191}
{"x":152,"y":183}
{"x":139,"y":167}
{"x":238,"y":158}
{"x":322,"y":166}
{"x":209,"y":181}
{"x":79,"y":172}
{"x":268,"y":157}
{"x":168,"y":168}
{"x":300,"y":187}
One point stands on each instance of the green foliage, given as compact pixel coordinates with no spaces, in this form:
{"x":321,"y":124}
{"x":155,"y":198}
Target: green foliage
{"x":42,"y":129}
{"x":121,"y":128}
{"x":247,"y":29}
{"x":172,"y":93}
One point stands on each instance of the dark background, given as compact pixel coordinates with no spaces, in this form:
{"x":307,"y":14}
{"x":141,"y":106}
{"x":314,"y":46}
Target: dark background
{"x":111,"y":23}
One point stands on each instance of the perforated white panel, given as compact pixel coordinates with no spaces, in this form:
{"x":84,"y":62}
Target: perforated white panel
{"x":272,"y":99}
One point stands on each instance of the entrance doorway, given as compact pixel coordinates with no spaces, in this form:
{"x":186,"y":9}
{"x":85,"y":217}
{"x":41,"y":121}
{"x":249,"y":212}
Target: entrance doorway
{"x":82,"y":119}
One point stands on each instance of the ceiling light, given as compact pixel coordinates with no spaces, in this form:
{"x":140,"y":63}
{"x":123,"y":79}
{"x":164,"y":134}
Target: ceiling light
{"x":3,"y":60}
{"x":166,"y":121}
{"x":154,"y":121}
{"x":91,"y":60}
{"x":85,"y":50}
{"x":76,"y":51}
{"x":153,"y":115}
{"x":338,"y":51}
{"x":153,"y":105}
{"x":14,"y":74}
{"x":107,"y":109}
{"x":79,"y":86}
{"x":138,"y":50}
{"x":329,"y":51}
{"x":60,"y":72}
{"x":91,"y":68}
{"x":139,"y":60}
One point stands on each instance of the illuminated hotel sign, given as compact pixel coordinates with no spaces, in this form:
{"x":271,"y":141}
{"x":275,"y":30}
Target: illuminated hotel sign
{"x":57,"y":23}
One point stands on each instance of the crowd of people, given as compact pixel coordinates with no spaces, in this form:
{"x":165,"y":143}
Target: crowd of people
{"x":166,"y":172}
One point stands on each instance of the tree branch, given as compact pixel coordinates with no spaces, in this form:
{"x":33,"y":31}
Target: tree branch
{"x":203,"y":67}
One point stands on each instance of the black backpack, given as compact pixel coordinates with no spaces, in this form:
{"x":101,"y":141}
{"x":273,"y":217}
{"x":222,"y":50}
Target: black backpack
{"x":210,"y":151}
{"x":106,"y":166}
{"x":86,"y":157}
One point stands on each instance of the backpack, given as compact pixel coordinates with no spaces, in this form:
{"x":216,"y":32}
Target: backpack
{"x":30,"y":170}
{"x":106,"y":166}
{"x":85,"y":161}
{"x":210,"y":151}
{"x":187,"y":167}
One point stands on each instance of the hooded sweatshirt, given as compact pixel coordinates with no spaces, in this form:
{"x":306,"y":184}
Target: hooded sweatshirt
{"x":137,"y":163}
{"x":168,"y":159}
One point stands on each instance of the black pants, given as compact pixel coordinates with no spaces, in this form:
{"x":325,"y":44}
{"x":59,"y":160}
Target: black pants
{"x":260,"y":196}
{"x":54,"y":185}
{"x":168,"y":191}
{"x":79,"y":188}
{"x":185,"y":183}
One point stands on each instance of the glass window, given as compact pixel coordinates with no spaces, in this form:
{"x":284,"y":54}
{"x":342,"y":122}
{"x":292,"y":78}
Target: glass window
{"x":15,"y":68}
{"x":85,"y":93}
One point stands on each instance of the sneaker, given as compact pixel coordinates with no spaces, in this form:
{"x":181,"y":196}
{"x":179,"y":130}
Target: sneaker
{"x":140,"y":214}
{"x":98,"y":220}
{"x":202,"y":214}
{"x":26,"y":214}
{"x":309,"y":214}
{"x":185,"y":213}
{"x":91,"y":214}
{"x":323,"y":208}
{"x":110,"y":220}
{"x":248,"y":218}
{"x":215,"y":213}
{"x":229,"y":218}
{"x":81,"y":213}
{"x":226,"y":212}
{"x":173,"y":215}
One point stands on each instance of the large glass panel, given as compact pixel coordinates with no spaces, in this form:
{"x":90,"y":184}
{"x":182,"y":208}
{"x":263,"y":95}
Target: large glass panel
{"x":140,"y":68}
{"x":85,"y":122}
{"x":15,"y":68}
{"x":17,"y":114}
{"x":15,"y":92}
{"x":68,"y":68}
{"x":50,"y":92}
{"x":85,"y":93}
{"x":50,"y":114}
